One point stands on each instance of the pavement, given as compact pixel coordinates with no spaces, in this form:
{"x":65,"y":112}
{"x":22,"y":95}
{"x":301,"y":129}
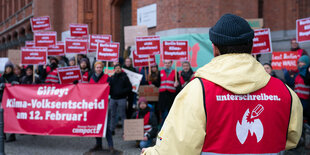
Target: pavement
{"x":58,"y":145}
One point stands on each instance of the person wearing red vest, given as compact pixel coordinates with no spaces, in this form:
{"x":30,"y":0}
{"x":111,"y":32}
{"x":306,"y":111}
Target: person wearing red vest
{"x":52,"y":74}
{"x":186,"y":75}
{"x":150,"y":122}
{"x":167,"y":89}
{"x":101,"y":78}
{"x":295,"y":47}
{"x":232,"y":106}
{"x":85,"y":70}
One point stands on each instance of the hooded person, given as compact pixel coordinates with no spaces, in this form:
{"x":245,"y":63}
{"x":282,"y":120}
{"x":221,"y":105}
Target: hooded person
{"x":150,"y":122}
{"x":85,"y":70}
{"x":28,"y":77}
{"x":8,"y":77}
{"x":52,"y":74}
{"x":230,"y":96}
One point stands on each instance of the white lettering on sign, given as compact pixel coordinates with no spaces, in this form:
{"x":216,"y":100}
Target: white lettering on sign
{"x":248,"y":97}
{"x":48,"y":90}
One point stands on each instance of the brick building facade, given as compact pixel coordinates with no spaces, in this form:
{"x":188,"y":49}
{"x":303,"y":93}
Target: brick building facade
{"x":173,"y":16}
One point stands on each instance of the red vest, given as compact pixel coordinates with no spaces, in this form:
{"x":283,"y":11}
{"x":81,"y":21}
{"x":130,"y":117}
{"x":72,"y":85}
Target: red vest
{"x":182,"y":81}
{"x":301,"y":89}
{"x":147,"y":126}
{"x":85,"y":77}
{"x":102,"y":80}
{"x":52,"y":77}
{"x":167,"y":83}
{"x":254,"y":123}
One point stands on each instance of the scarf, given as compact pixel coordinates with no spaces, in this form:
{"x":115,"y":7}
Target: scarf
{"x":97,"y":77}
{"x":143,"y":112}
{"x":187,"y":75}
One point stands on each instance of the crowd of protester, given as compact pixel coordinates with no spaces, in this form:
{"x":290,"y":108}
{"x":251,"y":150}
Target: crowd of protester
{"x":125,"y":104}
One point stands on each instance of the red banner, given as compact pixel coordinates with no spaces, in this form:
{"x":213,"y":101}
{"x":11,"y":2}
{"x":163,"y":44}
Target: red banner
{"x":63,"y":110}
{"x":149,"y":45}
{"x":33,"y":55}
{"x":29,"y":44}
{"x":175,"y":50}
{"x":45,"y":38}
{"x":69,"y":74}
{"x":107,"y":51}
{"x":95,"y":39}
{"x":303,"y":30}
{"x":40,"y":23}
{"x":284,"y":60}
{"x":262,"y":41}
{"x":143,"y":60}
{"x":57,"y":50}
{"x":78,"y":30}
{"x":76,"y":45}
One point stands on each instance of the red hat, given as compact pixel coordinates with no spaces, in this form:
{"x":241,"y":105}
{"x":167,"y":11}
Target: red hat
{"x":142,"y":99}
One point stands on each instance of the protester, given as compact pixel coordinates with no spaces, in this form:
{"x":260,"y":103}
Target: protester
{"x":295,"y":47}
{"x":19,"y":72}
{"x":131,"y":98}
{"x":297,"y":81}
{"x":28,"y":78}
{"x":231,"y":89}
{"x":187,"y":74}
{"x":62,"y":61}
{"x":150,"y":122}
{"x":154,"y":80}
{"x":128,"y":65}
{"x":120,"y":87}
{"x":144,"y":71}
{"x":51,"y":71}
{"x":268,"y":69}
{"x":8,"y":77}
{"x":101,"y":78}
{"x":154,"y":77}
{"x":167,"y":89}
{"x":72,"y":61}
{"x":85,"y":70}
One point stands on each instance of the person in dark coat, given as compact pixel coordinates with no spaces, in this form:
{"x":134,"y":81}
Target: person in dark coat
{"x":150,"y":122}
{"x":132,"y":97}
{"x":19,"y":72}
{"x":187,"y":74}
{"x":120,"y":87}
{"x":8,"y":77}
{"x":28,"y":78}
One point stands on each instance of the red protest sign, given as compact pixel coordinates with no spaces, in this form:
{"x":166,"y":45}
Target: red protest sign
{"x":40,"y":23}
{"x":57,"y":50}
{"x":149,"y":45}
{"x":29,"y":44}
{"x":33,"y":55}
{"x":60,"y":109}
{"x":107,"y":51}
{"x":262,"y":41}
{"x":45,"y":38}
{"x":284,"y":60}
{"x":76,"y":45}
{"x":78,"y":30}
{"x":303,"y":30}
{"x":175,"y":50}
{"x":69,"y":74}
{"x":95,"y":39}
{"x":143,"y":60}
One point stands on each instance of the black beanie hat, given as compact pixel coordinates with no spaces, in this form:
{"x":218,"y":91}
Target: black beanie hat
{"x":231,"y":30}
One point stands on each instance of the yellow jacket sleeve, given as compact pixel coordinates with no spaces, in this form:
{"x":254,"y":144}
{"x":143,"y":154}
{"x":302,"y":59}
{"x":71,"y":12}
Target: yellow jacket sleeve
{"x":183,"y":132}
{"x":295,"y":124}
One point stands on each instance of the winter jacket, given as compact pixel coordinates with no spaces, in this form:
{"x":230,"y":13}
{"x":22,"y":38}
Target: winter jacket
{"x":29,"y":80}
{"x":120,"y":86}
{"x":7,"y":78}
{"x":185,"y":126}
{"x":152,"y":121}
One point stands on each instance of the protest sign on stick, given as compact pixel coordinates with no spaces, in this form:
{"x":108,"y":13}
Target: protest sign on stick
{"x":285,"y":60}
{"x":107,"y":51}
{"x":262,"y":41}
{"x":78,"y":30}
{"x":149,"y":45}
{"x":33,"y":55}
{"x":303,"y":30}
{"x":40,"y":23}
{"x":45,"y":38}
{"x":76,"y":45}
{"x":69,"y":74}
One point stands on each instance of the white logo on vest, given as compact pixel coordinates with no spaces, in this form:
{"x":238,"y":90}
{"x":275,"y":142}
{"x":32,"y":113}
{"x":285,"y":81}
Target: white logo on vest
{"x":253,"y":124}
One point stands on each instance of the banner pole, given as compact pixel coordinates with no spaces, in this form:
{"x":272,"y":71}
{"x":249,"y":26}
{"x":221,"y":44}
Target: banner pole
{"x":176,"y":78}
{"x":145,"y":74}
{"x":33,"y":74}
{"x":76,"y":58}
{"x":149,"y":64}
{"x":106,"y":67}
